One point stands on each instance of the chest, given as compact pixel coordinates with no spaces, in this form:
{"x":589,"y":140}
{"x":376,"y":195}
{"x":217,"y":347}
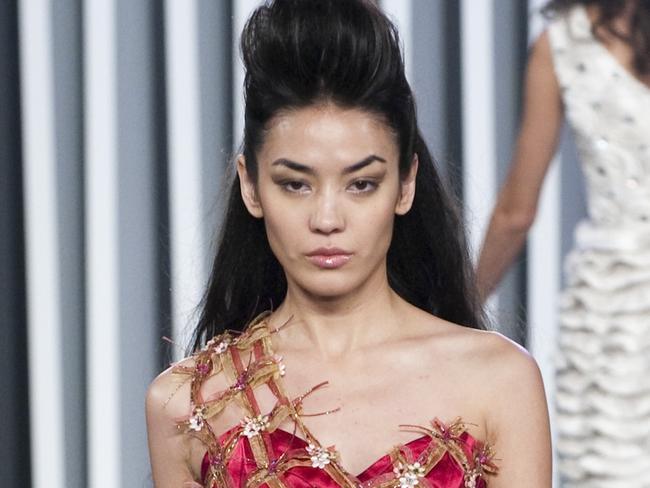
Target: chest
{"x":363,"y":409}
{"x":340,"y":422}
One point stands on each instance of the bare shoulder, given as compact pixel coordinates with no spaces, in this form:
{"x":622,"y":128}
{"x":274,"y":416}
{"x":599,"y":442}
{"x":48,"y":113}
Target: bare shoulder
{"x":516,"y":413}
{"x":510,"y":369}
{"x":493,"y":360}
{"x":505,"y":381}
{"x":472,"y":344}
{"x":167,"y":400}
{"x":175,"y":456}
{"x":500,"y":373}
{"x":510,"y":377}
{"x":496,"y":350}
{"x":168,"y":395}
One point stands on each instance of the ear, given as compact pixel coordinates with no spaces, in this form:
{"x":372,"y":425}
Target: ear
{"x":248,"y":190}
{"x":407,"y":189}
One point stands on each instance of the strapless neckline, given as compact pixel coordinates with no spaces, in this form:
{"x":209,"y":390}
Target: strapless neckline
{"x":285,"y":443}
{"x":289,"y":441}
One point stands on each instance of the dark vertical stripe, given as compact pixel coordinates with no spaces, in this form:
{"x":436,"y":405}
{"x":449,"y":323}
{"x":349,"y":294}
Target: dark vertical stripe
{"x":453,"y":95}
{"x":161,"y":188}
{"x":14,"y":421}
{"x":226,"y":36}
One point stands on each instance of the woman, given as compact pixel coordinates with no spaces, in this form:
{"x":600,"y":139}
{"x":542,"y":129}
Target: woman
{"x":338,"y":224}
{"x":592,"y":65}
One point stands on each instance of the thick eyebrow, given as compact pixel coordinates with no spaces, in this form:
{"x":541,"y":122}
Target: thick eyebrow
{"x":303,"y":168}
{"x":363,"y":163}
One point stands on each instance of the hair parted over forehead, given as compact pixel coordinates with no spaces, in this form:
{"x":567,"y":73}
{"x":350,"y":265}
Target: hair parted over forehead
{"x":299,"y":53}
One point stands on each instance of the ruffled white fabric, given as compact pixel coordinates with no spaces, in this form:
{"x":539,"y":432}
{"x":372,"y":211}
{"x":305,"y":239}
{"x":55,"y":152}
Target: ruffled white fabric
{"x":603,"y":366}
{"x":603,"y":370}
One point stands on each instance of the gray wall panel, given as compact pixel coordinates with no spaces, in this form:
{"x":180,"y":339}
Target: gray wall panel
{"x":436,"y":76}
{"x":66,"y":30}
{"x":138,"y":245}
{"x":429,"y":74}
{"x":215,"y":32}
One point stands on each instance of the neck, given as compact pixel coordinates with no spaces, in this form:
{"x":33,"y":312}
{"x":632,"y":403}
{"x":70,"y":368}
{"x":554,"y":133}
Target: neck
{"x":334,"y":327}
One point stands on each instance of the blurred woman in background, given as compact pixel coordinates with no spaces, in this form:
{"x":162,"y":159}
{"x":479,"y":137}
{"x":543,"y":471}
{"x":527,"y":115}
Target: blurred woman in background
{"x":340,"y":237}
{"x":592,"y":66}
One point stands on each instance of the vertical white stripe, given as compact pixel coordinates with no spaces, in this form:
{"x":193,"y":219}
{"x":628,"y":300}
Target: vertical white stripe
{"x":479,"y":132}
{"x":102,"y":259}
{"x":42,"y":245}
{"x":478,"y":99}
{"x":241,"y":11}
{"x":185,"y":162}
{"x":401,"y":14}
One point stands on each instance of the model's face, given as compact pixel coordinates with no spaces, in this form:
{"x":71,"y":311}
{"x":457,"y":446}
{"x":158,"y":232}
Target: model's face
{"x":328,"y":189}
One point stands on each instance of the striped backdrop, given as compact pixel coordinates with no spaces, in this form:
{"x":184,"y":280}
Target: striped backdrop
{"x":118,"y":121}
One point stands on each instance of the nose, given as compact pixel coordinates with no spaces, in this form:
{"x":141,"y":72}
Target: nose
{"x":327,"y":215}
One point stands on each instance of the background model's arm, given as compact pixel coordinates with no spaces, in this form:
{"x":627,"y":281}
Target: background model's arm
{"x":516,"y":206}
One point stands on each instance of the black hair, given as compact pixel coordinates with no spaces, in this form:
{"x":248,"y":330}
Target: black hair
{"x":608,"y":10}
{"x":299,"y":53}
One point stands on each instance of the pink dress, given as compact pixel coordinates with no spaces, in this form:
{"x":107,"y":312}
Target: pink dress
{"x":257,"y":453}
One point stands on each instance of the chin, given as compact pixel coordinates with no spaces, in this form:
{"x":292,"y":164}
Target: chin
{"x":328,"y":287}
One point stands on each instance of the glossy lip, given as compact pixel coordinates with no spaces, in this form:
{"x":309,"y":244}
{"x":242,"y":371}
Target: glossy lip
{"x":328,"y":251}
{"x":329,"y":257}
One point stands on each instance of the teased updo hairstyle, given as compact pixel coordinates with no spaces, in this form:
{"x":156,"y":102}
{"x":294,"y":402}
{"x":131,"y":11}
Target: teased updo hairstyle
{"x":301,"y":52}
{"x":608,"y":10}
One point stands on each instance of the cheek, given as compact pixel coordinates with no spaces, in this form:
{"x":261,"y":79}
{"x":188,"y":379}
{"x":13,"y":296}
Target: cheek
{"x":374,"y":226}
{"x":284,"y":225}
{"x":278,"y":224}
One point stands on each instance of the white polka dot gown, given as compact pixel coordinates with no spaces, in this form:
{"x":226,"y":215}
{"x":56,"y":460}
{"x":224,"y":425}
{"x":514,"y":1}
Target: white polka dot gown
{"x":603,"y":357}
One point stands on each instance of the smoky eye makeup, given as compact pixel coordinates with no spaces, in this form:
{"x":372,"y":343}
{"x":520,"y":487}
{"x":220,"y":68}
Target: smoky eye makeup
{"x":363,"y":186}
{"x":291,"y":185}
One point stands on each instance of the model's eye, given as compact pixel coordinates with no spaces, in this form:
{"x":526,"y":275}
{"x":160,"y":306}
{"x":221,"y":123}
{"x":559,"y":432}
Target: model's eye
{"x":363,"y":186}
{"x":294,"y":186}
